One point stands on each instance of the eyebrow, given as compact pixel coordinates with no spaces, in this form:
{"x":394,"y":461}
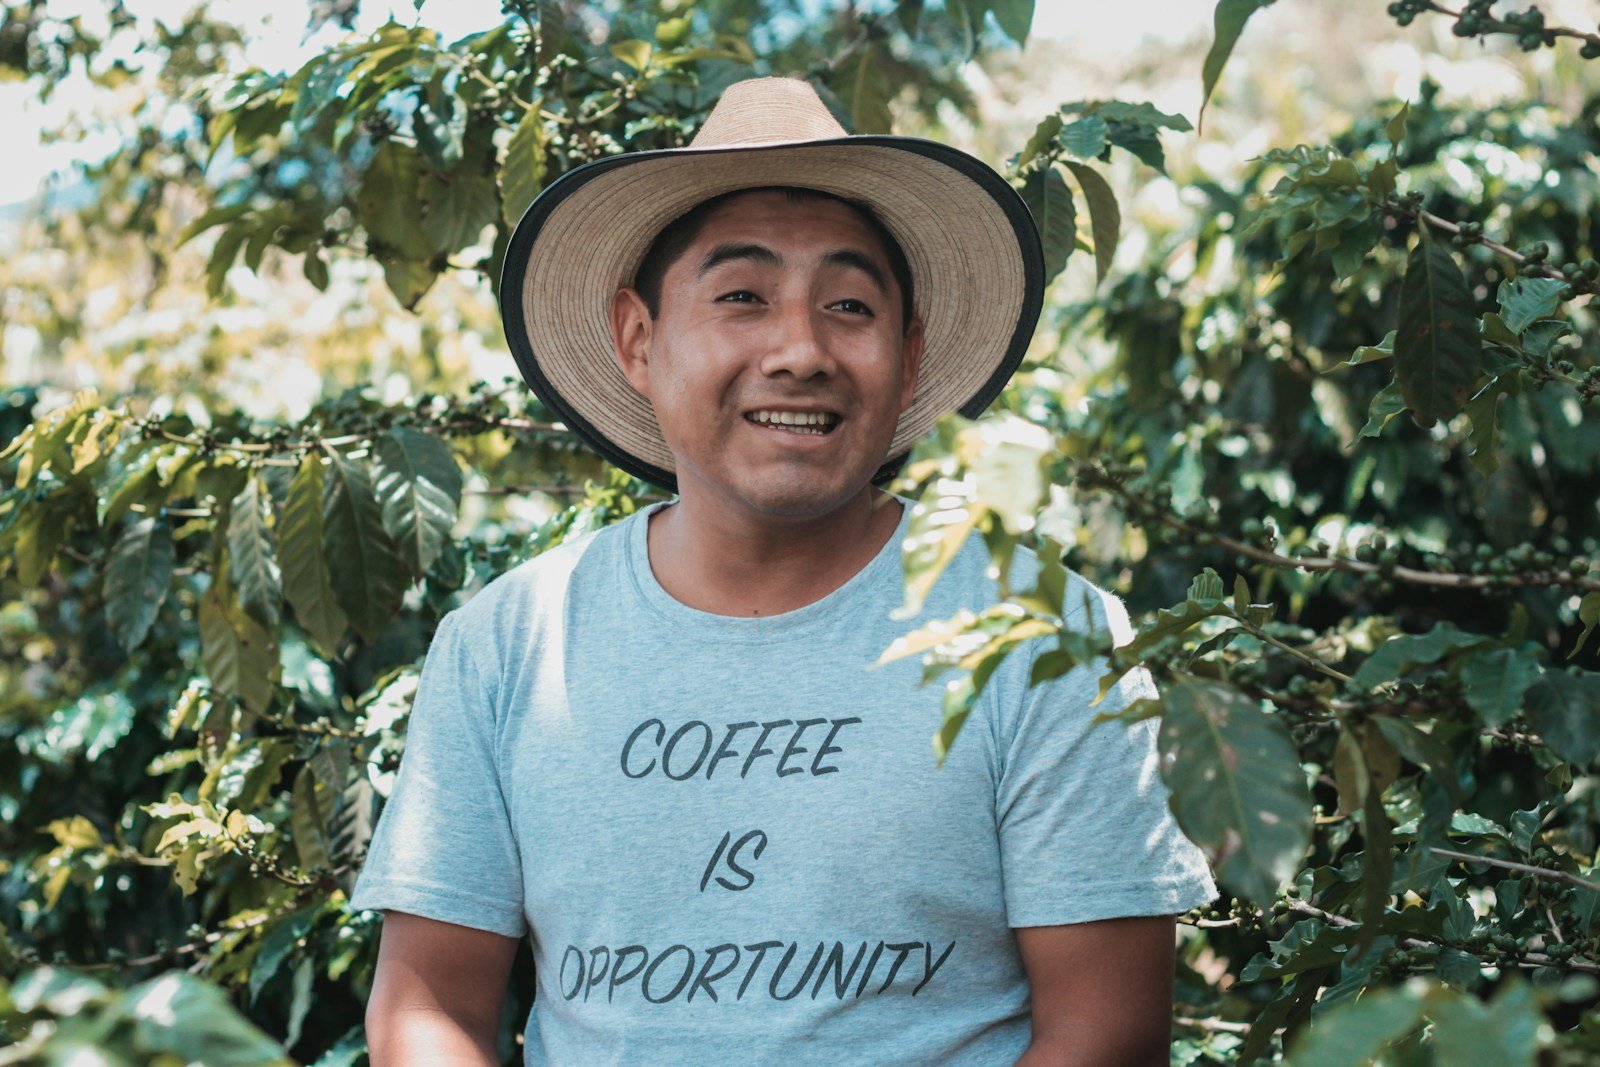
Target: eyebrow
{"x":743,"y":250}
{"x":843,"y":257}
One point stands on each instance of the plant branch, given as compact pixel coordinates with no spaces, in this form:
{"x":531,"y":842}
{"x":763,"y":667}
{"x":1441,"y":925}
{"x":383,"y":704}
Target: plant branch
{"x":1511,"y":865}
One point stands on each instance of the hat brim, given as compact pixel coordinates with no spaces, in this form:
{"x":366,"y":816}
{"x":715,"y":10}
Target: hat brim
{"x":971,"y":244}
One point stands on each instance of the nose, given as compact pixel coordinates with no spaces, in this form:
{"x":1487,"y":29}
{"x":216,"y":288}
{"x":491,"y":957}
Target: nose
{"x":799,"y":344}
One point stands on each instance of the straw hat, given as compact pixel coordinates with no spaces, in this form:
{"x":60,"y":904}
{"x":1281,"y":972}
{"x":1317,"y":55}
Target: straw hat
{"x":972,"y":246}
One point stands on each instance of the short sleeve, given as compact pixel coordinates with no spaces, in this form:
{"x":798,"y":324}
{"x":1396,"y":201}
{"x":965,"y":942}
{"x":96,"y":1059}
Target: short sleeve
{"x":443,"y":847}
{"x":1082,"y":812}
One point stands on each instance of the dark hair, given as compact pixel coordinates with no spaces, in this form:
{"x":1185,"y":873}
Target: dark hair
{"x":675,"y":238}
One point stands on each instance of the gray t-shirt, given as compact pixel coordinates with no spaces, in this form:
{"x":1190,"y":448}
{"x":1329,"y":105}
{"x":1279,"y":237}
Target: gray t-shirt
{"x":727,"y":837}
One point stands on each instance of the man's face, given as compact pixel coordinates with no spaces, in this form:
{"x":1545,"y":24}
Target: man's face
{"x":776,"y":308}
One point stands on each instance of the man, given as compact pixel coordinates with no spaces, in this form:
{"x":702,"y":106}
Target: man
{"x":661,"y":750}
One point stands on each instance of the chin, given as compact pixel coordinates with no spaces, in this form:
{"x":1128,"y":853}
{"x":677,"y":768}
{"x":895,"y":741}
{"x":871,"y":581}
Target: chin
{"x":794,"y":495}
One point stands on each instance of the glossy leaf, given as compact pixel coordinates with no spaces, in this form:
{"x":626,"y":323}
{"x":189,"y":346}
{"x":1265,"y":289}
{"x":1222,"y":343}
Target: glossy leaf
{"x":254,"y":555}
{"x":1494,"y":683}
{"x":306,"y":582}
{"x":369,"y":578}
{"x":522,"y":168}
{"x":1564,"y":709}
{"x":1050,"y":201}
{"x":138,"y":572}
{"x":240,"y":656}
{"x":1436,"y":343}
{"x":1105,"y":217}
{"x":419,"y":489}
{"x":1237,"y":787}
{"x":1228,"y":21}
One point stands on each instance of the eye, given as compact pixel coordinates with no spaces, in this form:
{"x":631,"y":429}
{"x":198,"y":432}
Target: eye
{"x":736,"y":296}
{"x":855,"y":307}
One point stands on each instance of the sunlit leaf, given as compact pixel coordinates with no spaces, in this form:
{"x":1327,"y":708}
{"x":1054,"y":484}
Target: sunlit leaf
{"x":1237,"y":787}
{"x":306,"y":582}
{"x":369,"y":577}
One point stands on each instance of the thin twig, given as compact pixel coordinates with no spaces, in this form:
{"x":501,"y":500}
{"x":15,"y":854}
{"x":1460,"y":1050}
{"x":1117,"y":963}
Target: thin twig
{"x":1512,"y":865}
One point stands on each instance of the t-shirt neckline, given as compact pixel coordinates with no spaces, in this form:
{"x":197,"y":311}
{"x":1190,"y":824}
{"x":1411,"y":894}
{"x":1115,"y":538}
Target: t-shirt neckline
{"x":651,"y":591}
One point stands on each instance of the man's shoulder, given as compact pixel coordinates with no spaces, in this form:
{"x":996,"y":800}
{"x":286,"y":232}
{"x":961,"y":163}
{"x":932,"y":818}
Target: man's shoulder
{"x":535,"y":587}
{"x":1085,"y":605}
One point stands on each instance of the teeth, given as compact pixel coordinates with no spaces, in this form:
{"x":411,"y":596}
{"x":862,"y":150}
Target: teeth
{"x":794,"y":419}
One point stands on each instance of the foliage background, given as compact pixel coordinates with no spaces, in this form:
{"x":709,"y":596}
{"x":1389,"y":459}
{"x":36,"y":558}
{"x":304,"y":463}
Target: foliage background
{"x":1343,"y":472}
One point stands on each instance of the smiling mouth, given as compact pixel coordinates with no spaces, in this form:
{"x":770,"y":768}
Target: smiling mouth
{"x":822,"y":428}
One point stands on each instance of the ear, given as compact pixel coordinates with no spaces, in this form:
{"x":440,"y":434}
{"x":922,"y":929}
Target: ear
{"x":631,"y":329}
{"x":910,"y":363}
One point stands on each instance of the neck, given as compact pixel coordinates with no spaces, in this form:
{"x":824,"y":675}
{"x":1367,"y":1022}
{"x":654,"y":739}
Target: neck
{"x":734,"y":561}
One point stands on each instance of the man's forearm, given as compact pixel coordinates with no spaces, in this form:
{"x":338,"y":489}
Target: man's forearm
{"x":421,"y":1038}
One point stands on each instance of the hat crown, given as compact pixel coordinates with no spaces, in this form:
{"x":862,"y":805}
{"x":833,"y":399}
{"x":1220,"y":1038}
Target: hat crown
{"x":765,"y":110}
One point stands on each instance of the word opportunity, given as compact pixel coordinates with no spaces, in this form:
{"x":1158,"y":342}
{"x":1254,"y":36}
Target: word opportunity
{"x":779,"y":970}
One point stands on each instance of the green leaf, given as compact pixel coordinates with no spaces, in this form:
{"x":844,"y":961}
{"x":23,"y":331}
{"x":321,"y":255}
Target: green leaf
{"x":1043,"y":135}
{"x":1353,"y":1033}
{"x":138,"y":571}
{"x":308,"y":819}
{"x":1526,"y":300}
{"x":1564,"y":709}
{"x":306,"y":584}
{"x":1015,"y":18}
{"x":315,"y":269}
{"x":370,"y":578}
{"x":387,"y":206}
{"x":1228,"y":20}
{"x":1141,"y":141}
{"x":634,"y":53}
{"x":1405,"y":652}
{"x":1483,"y":412}
{"x":254,"y":554}
{"x":223,"y":253}
{"x":408,"y":279}
{"x":278,"y":942}
{"x":1048,"y":198}
{"x":457,"y":205}
{"x":1349,"y":772}
{"x":185,"y":1019}
{"x":939,"y":527}
{"x":1085,"y":138}
{"x":419,"y":489}
{"x":1460,"y":969}
{"x":1385,"y":405}
{"x":1504,"y":1031}
{"x":1539,"y":339}
{"x":1238,"y":790}
{"x":1292,"y":998}
{"x":1589,"y":615}
{"x":305,"y":973}
{"x":1395,"y":128}
{"x":1136,"y":113}
{"x":134,"y":479}
{"x":1436,"y":344}
{"x":1495,"y":681}
{"x":240,"y":656}
{"x":1105,"y":217}
{"x":1377,"y":853}
{"x":522,"y":168}
{"x":1384,"y":349}
{"x":864,"y":87}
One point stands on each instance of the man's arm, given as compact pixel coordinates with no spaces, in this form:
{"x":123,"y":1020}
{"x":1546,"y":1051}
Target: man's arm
{"x":1102,"y":992}
{"x":437,"y":994}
